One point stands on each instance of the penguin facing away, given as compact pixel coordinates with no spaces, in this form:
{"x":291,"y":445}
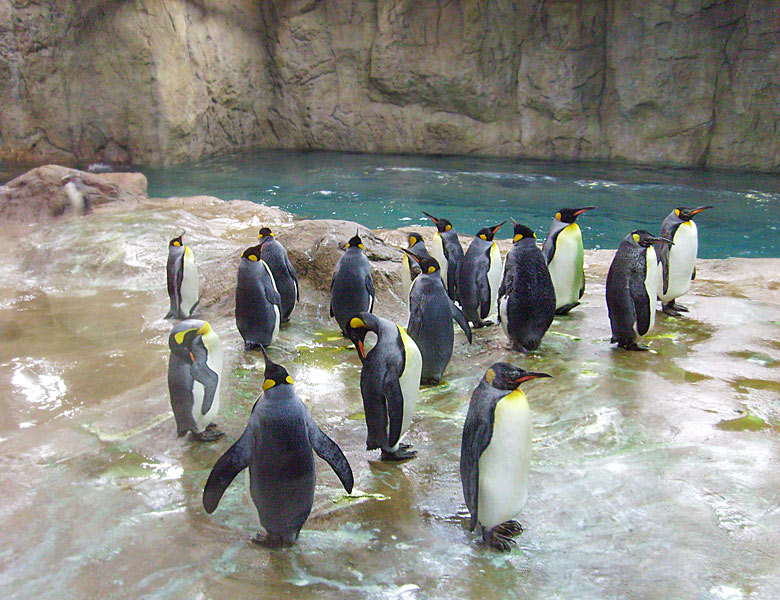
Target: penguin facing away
{"x":431,"y":312}
{"x":632,"y":283}
{"x":285,"y":277}
{"x":446,"y":249}
{"x":182,"y":275}
{"x":410,"y":270}
{"x":495,"y":453}
{"x":480,"y":277}
{"x":564,"y":253}
{"x":258,"y":304}
{"x":678,"y":262}
{"x":389,"y":383}
{"x":352,"y":286}
{"x":526,"y":298}
{"x":276,"y":447}
{"x":194,"y":378}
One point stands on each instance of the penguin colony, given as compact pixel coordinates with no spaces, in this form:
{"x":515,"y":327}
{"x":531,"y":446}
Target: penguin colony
{"x":474,"y":289}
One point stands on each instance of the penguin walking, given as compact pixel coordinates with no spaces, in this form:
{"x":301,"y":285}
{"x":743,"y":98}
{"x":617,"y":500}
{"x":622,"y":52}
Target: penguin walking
{"x":495,"y":453}
{"x":194,"y":377}
{"x":182,"y":280}
{"x":431,"y":312}
{"x":285,"y":277}
{"x":632,"y":284}
{"x":258,"y":304}
{"x":678,"y":262}
{"x":352,"y":287}
{"x":565,"y":257}
{"x":410,"y":270}
{"x":526,"y":298}
{"x":480,"y":277}
{"x":446,"y":249}
{"x":277,"y":447}
{"x":389,"y":383}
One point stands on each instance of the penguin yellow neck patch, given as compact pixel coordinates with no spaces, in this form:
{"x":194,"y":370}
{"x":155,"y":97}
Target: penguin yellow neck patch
{"x":177,"y":243}
{"x":518,"y":237}
{"x":483,"y":236}
{"x":431,"y":269}
{"x":356,"y":322}
{"x":252,"y":257}
{"x":447,"y":227}
{"x":558,"y":216}
{"x":268,"y":384}
{"x":636,"y":238}
{"x":490,"y":375}
{"x":179,"y":337}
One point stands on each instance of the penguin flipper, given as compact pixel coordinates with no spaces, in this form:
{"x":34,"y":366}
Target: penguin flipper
{"x":483,"y":293}
{"x":293,"y":275}
{"x":416,"y":318}
{"x":394,"y":399}
{"x":548,"y":248}
{"x":457,"y":314}
{"x":476,"y":437}
{"x":641,"y":303}
{"x":693,"y":274}
{"x":272,"y":295}
{"x":330,"y":452}
{"x":230,"y":464}
{"x":582,"y":286}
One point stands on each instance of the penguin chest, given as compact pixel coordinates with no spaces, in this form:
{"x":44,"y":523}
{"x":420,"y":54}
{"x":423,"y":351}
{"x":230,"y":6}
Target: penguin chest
{"x":437,"y":251}
{"x":651,"y":286}
{"x":277,"y":312}
{"x":494,"y":278}
{"x":682,"y":260}
{"x":409,"y":379}
{"x":566,"y":266}
{"x":189,"y":282}
{"x":505,"y":463}
{"x":406,"y":276}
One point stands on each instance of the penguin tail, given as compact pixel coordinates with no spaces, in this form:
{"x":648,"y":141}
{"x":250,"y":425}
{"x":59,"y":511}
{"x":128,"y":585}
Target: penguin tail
{"x":249,"y":346}
{"x":532,"y":343}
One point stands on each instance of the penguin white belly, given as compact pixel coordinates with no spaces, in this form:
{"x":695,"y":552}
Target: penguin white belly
{"x":189,"y":283}
{"x":437,"y":252}
{"x":566,"y":266}
{"x":502,"y":313}
{"x":682,"y":260}
{"x":214,"y":362}
{"x":406,"y":277}
{"x":277,"y":312}
{"x":494,"y":279}
{"x":505,"y":463}
{"x":651,"y":284}
{"x":409,"y":381}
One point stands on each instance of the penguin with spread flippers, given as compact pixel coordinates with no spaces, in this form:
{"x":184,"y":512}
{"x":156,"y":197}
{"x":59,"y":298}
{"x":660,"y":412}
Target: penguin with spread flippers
{"x":352,"y":286}
{"x":258,"y":304}
{"x":389,"y":383}
{"x":446,"y":249}
{"x":495,"y":453}
{"x":480,"y":277}
{"x":409,"y":269}
{"x":276,"y":447}
{"x":194,"y":378}
{"x":285,"y":277}
{"x":526,"y":297}
{"x":677,"y":266}
{"x":431,"y":312}
{"x":564,"y":253}
{"x":632,"y":284}
{"x":182,"y":280}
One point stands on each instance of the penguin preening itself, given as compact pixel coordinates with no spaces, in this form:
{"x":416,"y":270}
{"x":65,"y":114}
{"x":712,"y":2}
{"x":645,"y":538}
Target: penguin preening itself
{"x":431,"y":312}
{"x":564,"y":253}
{"x":480,"y":277}
{"x":447,"y":250}
{"x":495,"y":453}
{"x":285,"y":277}
{"x":389,"y":383}
{"x":194,"y":377}
{"x":182,"y":280}
{"x":632,"y":284}
{"x":678,"y":262}
{"x":258,"y":304}
{"x":277,"y":447}
{"x":410,"y":270}
{"x":526,"y":297}
{"x":352,"y":286}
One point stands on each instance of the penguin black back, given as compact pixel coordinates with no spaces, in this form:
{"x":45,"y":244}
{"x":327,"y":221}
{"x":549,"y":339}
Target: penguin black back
{"x":285,"y":277}
{"x":352,"y":286}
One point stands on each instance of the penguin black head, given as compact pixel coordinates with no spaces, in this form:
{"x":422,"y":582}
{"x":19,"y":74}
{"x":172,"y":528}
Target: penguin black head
{"x":569,"y":215}
{"x":413,"y":238}
{"x":274,"y":374}
{"x":441,"y":224}
{"x":255,"y":253}
{"x":177,"y":241}
{"x":181,"y":342}
{"x":264,"y":233}
{"x":522,"y":232}
{"x":686,"y":214}
{"x":504,"y":376}
{"x":645,"y":239}
{"x":487,"y":233}
{"x":357,"y":328}
{"x":428,"y":264}
{"x":355,"y":242}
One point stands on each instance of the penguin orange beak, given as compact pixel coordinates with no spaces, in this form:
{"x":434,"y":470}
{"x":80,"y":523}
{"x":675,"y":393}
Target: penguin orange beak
{"x":698,"y":209}
{"x":414,"y":256}
{"x":361,"y":349}
{"x":529,"y":376}
{"x":431,"y":217}
{"x":662,"y":239}
{"x":579,"y":211}
{"x":497,"y":227}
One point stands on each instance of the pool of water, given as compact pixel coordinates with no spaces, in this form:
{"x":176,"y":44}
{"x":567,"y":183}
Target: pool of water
{"x":382,"y":191}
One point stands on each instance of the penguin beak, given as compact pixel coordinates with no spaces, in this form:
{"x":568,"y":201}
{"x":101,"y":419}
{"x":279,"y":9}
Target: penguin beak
{"x":414,"y":256}
{"x":268,"y":361}
{"x":431,"y":217}
{"x":529,"y":376}
{"x":513,"y":221}
{"x":361,"y":349}
{"x":579,"y":211}
{"x":698,"y":209}
{"x":497,"y":227}
{"x":662,"y":239}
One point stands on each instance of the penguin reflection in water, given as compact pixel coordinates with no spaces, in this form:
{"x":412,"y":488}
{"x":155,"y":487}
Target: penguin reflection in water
{"x":258,"y":304}
{"x":182,"y":280}
{"x":389,"y":383}
{"x":480,"y":277}
{"x":632,"y":283}
{"x":495,"y":454}
{"x":194,"y":376}
{"x":277,"y":447}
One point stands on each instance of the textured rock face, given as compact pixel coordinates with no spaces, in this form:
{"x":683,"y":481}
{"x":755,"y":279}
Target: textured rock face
{"x":669,"y":82}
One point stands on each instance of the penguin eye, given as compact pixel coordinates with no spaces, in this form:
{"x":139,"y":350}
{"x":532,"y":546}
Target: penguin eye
{"x":431,"y":269}
{"x":447,"y":228}
{"x":252,"y":257}
{"x":636,"y":238}
{"x":268,"y":384}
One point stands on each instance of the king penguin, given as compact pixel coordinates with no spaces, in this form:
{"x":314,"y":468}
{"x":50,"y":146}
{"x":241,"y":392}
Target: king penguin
{"x":632,"y":284}
{"x":446,"y":249}
{"x":678,"y":262}
{"x":194,"y":377}
{"x":277,"y":447}
{"x":431,"y":312}
{"x":389,"y":383}
{"x":352,"y":287}
{"x":565,"y":257}
{"x":526,"y":298}
{"x":495,"y":453}
{"x":285,"y":277}
{"x":410,"y":270}
{"x":480,"y":277}
{"x":258,"y":304}
{"x":182,"y":280}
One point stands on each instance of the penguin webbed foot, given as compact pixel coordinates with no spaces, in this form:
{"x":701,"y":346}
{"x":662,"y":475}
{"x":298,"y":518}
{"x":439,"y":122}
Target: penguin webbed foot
{"x":210,"y":434}
{"x":498,"y":540}
{"x":564,"y":310}
{"x":509,"y":528}
{"x":271,"y":541}
{"x":402,"y":453}
{"x":430,"y":380}
{"x":673,"y":309}
{"x":633,"y":346}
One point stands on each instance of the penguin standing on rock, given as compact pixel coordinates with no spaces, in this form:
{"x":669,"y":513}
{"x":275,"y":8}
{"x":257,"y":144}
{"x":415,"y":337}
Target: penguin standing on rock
{"x":564,"y":253}
{"x":352,"y":287}
{"x":480,"y":277}
{"x":258,"y":304}
{"x":526,"y":297}
{"x":410,"y":270}
{"x":194,"y":377}
{"x":446,"y":249}
{"x":285,"y":277}
{"x":277,"y":447}
{"x":430,"y":319}
{"x":182,"y":280}
{"x":495,"y":453}
{"x":632,"y":284}
{"x":678,"y":262}
{"x":389,"y":383}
